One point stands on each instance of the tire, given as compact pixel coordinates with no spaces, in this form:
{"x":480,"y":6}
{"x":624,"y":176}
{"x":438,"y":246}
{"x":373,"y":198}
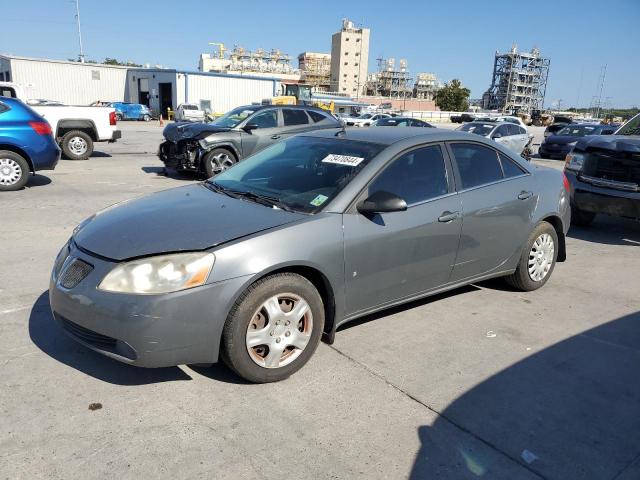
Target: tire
{"x":14,"y":171}
{"x":277,"y":358}
{"x":542,"y":155}
{"x":581,"y":218}
{"x":146,"y":118}
{"x":118,"y":117}
{"x":217,"y":161}
{"x":77,"y":145}
{"x":540,"y":261}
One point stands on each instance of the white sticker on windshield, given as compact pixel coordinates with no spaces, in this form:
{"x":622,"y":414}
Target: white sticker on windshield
{"x":342,"y":160}
{"x":319,"y":200}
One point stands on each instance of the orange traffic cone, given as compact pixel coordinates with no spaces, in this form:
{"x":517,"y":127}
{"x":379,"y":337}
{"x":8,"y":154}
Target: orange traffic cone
{"x":161,"y":120}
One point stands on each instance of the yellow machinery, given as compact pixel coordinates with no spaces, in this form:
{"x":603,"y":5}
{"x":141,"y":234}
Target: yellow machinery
{"x":297,"y":94}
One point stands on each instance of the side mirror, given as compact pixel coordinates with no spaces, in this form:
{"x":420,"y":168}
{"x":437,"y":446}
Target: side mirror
{"x":496,"y":135}
{"x":250,"y":126}
{"x":382,"y":202}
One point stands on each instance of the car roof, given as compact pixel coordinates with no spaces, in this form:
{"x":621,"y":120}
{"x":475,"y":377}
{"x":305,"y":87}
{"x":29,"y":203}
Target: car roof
{"x":391,"y":135}
{"x":297,"y":107}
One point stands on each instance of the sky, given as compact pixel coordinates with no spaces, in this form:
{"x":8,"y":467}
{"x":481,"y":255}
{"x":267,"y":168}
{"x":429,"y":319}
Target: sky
{"x":453,"y":39}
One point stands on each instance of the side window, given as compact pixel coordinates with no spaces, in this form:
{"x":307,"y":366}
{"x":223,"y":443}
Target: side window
{"x":477,"y":164}
{"x":504,"y":130}
{"x":509,"y":167}
{"x":415,"y":176}
{"x":294,"y":117}
{"x":3,"y":107}
{"x":268,"y":119}
{"x":522,"y":131}
{"x":316,"y":116}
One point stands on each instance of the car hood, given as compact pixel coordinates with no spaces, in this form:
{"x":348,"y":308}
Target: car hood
{"x":186,"y":130}
{"x":617,"y":143}
{"x":181,"y":219}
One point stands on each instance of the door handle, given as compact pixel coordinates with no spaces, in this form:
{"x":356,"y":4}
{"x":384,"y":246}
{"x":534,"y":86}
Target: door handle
{"x":275,"y":137}
{"x":447,"y":216}
{"x":524,"y":195}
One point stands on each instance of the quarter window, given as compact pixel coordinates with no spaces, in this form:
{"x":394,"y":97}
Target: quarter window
{"x":477,"y":164}
{"x":509,"y":167}
{"x":266,"y":119}
{"x":294,"y":117}
{"x":3,"y":108}
{"x":415,"y":176}
{"x":316,"y":116}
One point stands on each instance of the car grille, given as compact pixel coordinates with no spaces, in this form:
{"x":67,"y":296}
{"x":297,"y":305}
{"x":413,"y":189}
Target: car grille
{"x":74,"y":273}
{"x":623,"y":167}
{"x":93,"y":338}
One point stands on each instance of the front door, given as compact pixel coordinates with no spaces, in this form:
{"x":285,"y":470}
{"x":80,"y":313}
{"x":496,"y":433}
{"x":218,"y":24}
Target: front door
{"x":391,"y":256}
{"x":266,"y":134}
{"x":497,"y":207}
{"x":166,"y":98}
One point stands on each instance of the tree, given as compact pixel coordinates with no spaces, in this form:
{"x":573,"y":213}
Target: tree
{"x":453,"y":97}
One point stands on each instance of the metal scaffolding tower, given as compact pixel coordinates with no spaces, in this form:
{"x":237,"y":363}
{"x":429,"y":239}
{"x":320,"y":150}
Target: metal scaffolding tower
{"x":389,"y":81}
{"x":519,"y":82}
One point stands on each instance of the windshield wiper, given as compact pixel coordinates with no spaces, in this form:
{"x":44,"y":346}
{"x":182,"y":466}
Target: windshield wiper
{"x":263,"y":199}
{"x":220,"y":189}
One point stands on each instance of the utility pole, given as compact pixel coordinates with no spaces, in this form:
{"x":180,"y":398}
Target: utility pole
{"x":81,"y":56}
{"x":603,"y":74}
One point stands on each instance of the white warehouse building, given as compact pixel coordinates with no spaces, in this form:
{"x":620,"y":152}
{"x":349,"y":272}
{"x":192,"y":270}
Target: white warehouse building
{"x":75,"y":83}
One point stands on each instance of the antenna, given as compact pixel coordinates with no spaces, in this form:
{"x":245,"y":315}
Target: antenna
{"x":81,"y":56}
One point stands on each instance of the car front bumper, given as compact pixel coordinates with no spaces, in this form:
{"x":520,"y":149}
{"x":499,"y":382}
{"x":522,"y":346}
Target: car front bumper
{"x":599,"y":199}
{"x":143,"y":330}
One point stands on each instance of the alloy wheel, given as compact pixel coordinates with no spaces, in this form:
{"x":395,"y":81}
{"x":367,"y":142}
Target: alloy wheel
{"x":279,"y":330}
{"x":541,"y":257}
{"x":10,"y":171}
{"x":221,"y":162}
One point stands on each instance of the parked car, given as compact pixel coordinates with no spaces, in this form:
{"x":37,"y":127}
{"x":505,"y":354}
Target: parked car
{"x":512,"y":136}
{"x":400,"y":122}
{"x":561,"y":143}
{"x":189,"y":112}
{"x":463,"y":118}
{"x":75,"y":129}
{"x":131,"y":111}
{"x":255,"y":265}
{"x":26,"y":144}
{"x":210,"y":148}
{"x":604,"y":174}
{"x":364,"y":120}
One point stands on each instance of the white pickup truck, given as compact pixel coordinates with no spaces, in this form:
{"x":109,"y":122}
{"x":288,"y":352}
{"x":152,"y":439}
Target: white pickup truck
{"x":76,"y":129}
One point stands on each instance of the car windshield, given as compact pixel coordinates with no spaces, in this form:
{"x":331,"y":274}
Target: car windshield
{"x":632,"y":127}
{"x":234,"y":117}
{"x":302,"y":174}
{"x":365,"y":115}
{"x":577,"y":130}
{"x":483,"y":129}
{"x":190,"y":107}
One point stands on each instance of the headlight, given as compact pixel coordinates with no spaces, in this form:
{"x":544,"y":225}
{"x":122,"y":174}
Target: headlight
{"x":572,"y":144}
{"x":574,"y":161}
{"x":161,"y":274}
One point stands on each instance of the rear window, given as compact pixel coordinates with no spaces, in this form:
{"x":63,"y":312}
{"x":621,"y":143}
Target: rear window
{"x":294,"y":117}
{"x":578,"y":130}
{"x":478,"y":128}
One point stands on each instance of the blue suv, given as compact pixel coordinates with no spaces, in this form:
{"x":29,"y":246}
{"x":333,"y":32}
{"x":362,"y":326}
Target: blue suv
{"x":26,"y":144}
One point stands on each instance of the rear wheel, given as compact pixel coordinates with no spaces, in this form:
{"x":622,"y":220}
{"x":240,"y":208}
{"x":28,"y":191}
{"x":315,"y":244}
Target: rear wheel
{"x":273,"y":328}
{"x":581,"y":218}
{"x":118,"y":117}
{"x":14,"y":171}
{"x":77,"y":145}
{"x":217,"y":161}
{"x":538,"y":259}
{"x":146,"y":117}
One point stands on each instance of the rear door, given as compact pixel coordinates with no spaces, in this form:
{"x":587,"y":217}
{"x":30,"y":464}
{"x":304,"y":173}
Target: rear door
{"x":267,"y":133}
{"x":390,"y":256}
{"x":498,"y":200}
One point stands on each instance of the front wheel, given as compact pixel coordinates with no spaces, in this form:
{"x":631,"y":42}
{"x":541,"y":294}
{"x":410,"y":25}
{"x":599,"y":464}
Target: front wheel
{"x":538,"y":259}
{"x":77,"y":145}
{"x":14,"y":171}
{"x":217,"y":161}
{"x":273,"y":329}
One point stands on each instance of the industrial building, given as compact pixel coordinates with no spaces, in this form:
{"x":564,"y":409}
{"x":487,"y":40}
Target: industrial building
{"x":349,"y":59}
{"x":519,"y":82}
{"x":426,"y":86}
{"x":239,"y":61}
{"x":75,"y":83}
{"x":390,"y":81}
{"x":315,"y":69}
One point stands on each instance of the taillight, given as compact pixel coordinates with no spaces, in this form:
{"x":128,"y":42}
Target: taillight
{"x":112,"y":118}
{"x":41,"y":128}
{"x":565,"y":182}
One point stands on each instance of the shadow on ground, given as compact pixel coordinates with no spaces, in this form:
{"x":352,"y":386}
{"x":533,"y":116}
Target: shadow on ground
{"x":169,"y":173}
{"x":609,"y":230}
{"x":51,"y":339}
{"x":571,"y":410}
{"x":37,"y":180}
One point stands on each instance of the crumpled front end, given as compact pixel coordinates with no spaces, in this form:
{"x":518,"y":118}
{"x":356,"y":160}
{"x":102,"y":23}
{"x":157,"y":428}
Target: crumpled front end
{"x":181,"y":155}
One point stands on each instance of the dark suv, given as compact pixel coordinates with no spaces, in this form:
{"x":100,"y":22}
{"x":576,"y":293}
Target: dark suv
{"x":604,"y":174}
{"x":210,"y":148}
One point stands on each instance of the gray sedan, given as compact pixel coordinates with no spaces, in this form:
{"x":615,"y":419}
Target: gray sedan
{"x":259,"y":263}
